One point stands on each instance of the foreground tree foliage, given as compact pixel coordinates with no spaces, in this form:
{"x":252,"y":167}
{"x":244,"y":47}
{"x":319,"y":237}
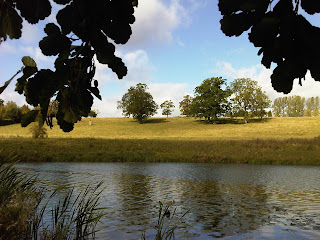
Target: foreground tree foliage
{"x":138,"y":103}
{"x":210,"y":100}
{"x":84,"y":30}
{"x":283,"y":35}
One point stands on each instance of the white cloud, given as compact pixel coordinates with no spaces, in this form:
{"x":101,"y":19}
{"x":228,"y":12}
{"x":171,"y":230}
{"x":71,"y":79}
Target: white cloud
{"x":156,"y":21}
{"x":108,"y":107}
{"x":261,"y":74}
{"x":168,"y":91}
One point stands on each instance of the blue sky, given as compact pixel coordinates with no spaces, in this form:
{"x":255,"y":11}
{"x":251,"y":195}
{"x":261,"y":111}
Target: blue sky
{"x":175,"y":45}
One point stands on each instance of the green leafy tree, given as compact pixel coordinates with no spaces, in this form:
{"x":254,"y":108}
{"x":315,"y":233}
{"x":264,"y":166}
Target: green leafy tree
{"x":24,"y":109}
{"x":296,"y":106}
{"x":138,"y":103}
{"x":12,"y":112}
{"x":280,"y":106}
{"x":185,"y":105}
{"x":245,"y":96}
{"x":283,"y":36}
{"x":1,"y":102}
{"x":261,"y":102}
{"x":84,"y":29}
{"x":312,"y":107}
{"x":167,"y":107}
{"x":93,"y":113}
{"x":210,"y":100}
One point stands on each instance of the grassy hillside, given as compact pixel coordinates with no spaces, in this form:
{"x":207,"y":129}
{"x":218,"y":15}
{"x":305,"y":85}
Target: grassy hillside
{"x":272,"y":141}
{"x":182,"y":129}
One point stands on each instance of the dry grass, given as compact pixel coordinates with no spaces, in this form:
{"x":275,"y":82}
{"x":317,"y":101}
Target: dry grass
{"x":271,"y":141}
{"x":181,"y":128}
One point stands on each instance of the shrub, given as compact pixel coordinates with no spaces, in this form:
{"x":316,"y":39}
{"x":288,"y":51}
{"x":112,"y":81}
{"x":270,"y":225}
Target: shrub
{"x":38,"y":132}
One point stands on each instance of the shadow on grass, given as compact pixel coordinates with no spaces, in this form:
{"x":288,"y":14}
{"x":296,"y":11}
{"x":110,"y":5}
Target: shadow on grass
{"x":153,"y":120}
{"x":233,"y":121}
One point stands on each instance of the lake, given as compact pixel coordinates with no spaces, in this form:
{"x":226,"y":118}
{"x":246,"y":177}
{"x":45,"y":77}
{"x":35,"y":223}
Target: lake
{"x":228,"y":201}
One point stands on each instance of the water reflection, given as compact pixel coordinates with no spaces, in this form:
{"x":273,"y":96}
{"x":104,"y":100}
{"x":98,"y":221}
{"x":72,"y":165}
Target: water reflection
{"x":234,"y":201}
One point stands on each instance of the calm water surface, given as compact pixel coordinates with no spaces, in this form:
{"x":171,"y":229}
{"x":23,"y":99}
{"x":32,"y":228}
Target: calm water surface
{"x":224,"y":201}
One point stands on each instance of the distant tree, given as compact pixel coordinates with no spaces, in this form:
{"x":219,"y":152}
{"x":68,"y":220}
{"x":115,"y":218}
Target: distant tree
{"x":12,"y":112}
{"x":138,"y":103}
{"x":210,"y":100}
{"x":296,"y":106}
{"x":270,"y":113}
{"x":1,"y":102}
{"x":185,"y":105}
{"x":167,"y":107}
{"x":261,"y":102}
{"x":280,"y":106}
{"x":312,"y":106}
{"x":93,"y":113}
{"x":25,"y":109}
{"x":248,"y":97}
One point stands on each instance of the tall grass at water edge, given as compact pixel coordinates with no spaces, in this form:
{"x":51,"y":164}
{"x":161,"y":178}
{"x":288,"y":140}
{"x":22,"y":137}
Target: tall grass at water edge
{"x":22,"y":216}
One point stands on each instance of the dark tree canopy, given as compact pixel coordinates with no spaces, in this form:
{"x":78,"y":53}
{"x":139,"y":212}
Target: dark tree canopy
{"x":283,"y":35}
{"x":84,"y":30}
{"x":138,"y":102}
{"x":210,"y":99}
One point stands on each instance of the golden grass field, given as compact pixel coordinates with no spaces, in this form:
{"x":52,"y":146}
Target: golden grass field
{"x":180,"y":129}
{"x":270,"y":141}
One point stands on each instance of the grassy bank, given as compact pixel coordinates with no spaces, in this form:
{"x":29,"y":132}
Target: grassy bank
{"x":291,"y":151}
{"x":271,"y":141}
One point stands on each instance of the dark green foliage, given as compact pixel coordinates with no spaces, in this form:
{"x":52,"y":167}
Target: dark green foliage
{"x":210,"y":99}
{"x":283,"y":35}
{"x":12,"y":112}
{"x":138,"y":103}
{"x":10,"y":21}
{"x":84,"y":30}
{"x":29,"y":117}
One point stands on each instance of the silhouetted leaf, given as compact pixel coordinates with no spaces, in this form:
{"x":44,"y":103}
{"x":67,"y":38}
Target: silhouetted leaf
{"x":29,"y":117}
{"x":34,"y":10}
{"x":27,"y":72}
{"x":54,"y":43}
{"x":10,"y":22}
{"x":236,"y":24}
{"x":311,"y":6}
{"x":62,"y":1}
{"x":95,"y":92}
{"x":51,"y":28}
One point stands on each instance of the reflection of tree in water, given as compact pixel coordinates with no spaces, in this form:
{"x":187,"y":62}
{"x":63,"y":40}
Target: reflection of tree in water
{"x":223,"y":210}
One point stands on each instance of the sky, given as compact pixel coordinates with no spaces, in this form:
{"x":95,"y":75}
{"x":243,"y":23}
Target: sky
{"x":175,"y":45}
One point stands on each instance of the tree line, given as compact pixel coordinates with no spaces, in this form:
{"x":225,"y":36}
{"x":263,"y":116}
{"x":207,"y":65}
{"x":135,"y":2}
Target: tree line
{"x":213,"y":98}
{"x":296,"y":106}
{"x":11,"y":113}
